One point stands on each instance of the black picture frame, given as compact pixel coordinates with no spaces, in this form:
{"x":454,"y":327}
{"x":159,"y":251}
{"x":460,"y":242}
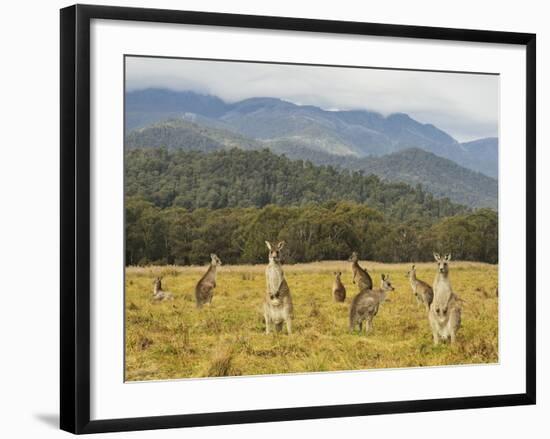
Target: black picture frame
{"x":75,"y":217}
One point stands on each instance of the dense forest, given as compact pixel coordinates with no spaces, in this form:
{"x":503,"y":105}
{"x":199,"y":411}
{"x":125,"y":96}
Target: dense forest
{"x":183,"y":205}
{"x":330,"y":231}
{"x":237,"y":178}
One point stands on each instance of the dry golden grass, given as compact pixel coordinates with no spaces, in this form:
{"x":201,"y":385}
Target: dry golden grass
{"x":173,"y":339}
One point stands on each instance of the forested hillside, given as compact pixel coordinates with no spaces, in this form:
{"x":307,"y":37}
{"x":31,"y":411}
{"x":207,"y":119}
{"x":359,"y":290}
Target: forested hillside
{"x":187,"y":136}
{"x":237,"y":178}
{"x":437,"y":175}
{"x":183,"y":205}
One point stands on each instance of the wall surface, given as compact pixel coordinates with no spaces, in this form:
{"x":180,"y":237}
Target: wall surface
{"x":29,"y":249}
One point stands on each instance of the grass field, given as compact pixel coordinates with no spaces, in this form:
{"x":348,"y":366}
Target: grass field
{"x":173,"y":339}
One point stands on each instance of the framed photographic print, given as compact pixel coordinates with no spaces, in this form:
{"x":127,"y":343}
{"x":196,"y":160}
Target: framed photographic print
{"x":268,"y":218}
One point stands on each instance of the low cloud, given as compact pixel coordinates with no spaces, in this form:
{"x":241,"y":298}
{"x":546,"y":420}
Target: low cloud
{"x":464,"y":105}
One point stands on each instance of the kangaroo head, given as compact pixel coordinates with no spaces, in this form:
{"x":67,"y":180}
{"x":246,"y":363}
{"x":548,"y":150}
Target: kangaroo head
{"x":411,"y":272}
{"x":385,"y":283}
{"x":337,"y":274}
{"x":354,"y":257}
{"x":442,"y":263}
{"x":157,"y":284}
{"x":214,"y":260}
{"x":275,"y":250}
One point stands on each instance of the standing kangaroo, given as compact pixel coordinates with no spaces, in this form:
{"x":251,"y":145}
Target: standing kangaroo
{"x":338,"y":288}
{"x":364,"y":282}
{"x":278,"y":302}
{"x":158,"y":293}
{"x":445,"y":311}
{"x":204,"y":291}
{"x":422,"y":291}
{"x":364,"y":306}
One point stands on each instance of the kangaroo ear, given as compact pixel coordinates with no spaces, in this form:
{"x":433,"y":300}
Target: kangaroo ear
{"x":413,"y":266}
{"x":383,"y":276}
{"x":281,"y":245}
{"x":448,"y":257}
{"x":340,"y":273}
{"x":437,"y":257}
{"x":268,"y":245}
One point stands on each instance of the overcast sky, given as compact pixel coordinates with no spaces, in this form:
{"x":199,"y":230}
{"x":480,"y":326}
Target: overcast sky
{"x":464,"y":105}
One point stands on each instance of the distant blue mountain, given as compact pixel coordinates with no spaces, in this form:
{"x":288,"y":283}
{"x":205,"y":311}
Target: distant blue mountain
{"x":355,"y":133}
{"x":480,"y":155}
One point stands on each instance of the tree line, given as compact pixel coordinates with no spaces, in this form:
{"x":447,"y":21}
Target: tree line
{"x":329,"y":230}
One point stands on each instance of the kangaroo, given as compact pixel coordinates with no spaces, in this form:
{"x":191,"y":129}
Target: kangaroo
{"x":364,"y":306}
{"x":278,"y":302}
{"x":204,"y":291}
{"x":158,"y":293}
{"x":365,"y":281}
{"x":422,"y":291}
{"x":338,"y":288}
{"x":445,"y":311}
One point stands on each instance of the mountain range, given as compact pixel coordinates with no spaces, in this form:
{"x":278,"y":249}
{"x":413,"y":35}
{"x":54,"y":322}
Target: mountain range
{"x":355,"y":132}
{"x":394,"y":147}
